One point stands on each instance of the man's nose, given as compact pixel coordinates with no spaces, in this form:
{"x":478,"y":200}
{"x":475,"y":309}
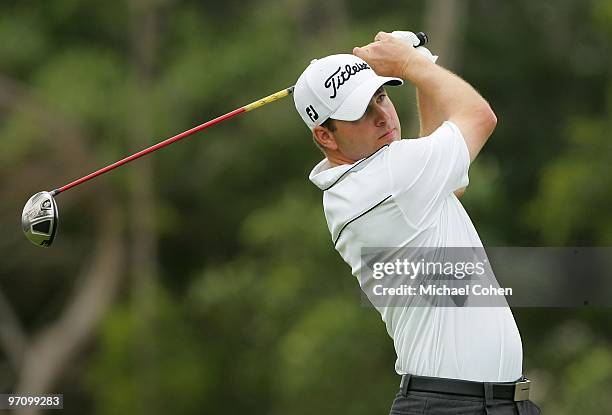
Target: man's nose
{"x":381,"y":116}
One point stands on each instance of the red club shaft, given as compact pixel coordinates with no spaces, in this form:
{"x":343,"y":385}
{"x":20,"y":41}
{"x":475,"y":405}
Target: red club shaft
{"x":167,"y":142}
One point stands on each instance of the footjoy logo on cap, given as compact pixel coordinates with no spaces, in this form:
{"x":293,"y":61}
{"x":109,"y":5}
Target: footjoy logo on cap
{"x":336,"y":82}
{"x":312,"y":113}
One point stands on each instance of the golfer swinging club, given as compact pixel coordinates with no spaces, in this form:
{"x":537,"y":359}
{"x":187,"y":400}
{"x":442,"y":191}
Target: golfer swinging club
{"x":381,"y":191}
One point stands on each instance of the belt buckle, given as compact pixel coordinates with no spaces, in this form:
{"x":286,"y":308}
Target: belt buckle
{"x":521,"y":390}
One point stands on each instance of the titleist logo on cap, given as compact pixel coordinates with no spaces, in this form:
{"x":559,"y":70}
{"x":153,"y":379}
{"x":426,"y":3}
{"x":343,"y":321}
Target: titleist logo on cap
{"x":336,"y":82}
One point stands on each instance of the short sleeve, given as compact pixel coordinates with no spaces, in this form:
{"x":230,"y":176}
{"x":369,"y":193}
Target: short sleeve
{"x":430,"y":168}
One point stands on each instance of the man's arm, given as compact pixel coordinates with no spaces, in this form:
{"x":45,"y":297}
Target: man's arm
{"x":429,"y":120}
{"x":450,"y":97}
{"x":430,"y":117}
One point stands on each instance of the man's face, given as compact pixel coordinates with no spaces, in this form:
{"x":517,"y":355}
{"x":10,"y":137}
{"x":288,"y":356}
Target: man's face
{"x":377,"y":127}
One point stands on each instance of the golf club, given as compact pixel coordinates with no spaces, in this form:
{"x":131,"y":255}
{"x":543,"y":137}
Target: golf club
{"x":39,"y":219}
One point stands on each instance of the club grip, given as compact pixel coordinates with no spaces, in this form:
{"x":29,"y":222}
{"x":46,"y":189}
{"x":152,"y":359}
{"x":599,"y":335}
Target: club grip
{"x":423,"y":39}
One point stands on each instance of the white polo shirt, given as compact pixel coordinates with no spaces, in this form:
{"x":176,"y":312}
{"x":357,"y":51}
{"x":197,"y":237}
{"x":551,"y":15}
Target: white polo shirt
{"x":402,"y":196}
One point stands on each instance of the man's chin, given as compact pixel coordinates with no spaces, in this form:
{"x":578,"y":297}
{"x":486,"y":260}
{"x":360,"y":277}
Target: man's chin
{"x":390,"y":137}
{"x":388,"y":140}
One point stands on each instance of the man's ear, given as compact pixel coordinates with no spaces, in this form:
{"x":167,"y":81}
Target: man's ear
{"x":324,"y":137}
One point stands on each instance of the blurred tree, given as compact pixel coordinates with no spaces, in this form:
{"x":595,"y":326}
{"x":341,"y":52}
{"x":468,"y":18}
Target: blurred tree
{"x":39,"y":353}
{"x":177,"y":375}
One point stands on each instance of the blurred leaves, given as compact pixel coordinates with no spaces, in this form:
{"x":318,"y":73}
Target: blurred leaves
{"x":84,"y":84}
{"x":572,"y":189}
{"x":281,"y":314}
{"x":23,"y":40}
{"x":154,"y":364}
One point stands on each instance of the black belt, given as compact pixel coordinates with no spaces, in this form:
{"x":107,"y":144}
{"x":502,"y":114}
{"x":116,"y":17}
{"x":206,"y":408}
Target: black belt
{"x":515,"y":391}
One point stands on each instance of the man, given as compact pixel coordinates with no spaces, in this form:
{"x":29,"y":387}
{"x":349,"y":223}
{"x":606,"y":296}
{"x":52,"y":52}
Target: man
{"x":380,"y":191}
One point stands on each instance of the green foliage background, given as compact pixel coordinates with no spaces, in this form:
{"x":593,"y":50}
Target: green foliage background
{"x":253,"y":309}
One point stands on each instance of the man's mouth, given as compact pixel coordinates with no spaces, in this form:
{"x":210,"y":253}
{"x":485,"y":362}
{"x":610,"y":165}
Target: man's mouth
{"x":387,"y":134}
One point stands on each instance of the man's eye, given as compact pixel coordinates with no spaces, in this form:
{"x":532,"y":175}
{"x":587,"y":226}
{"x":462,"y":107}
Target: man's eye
{"x":381,"y":97}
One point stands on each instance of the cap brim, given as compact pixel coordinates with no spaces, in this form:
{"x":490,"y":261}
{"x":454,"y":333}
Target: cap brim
{"x":355,"y":105}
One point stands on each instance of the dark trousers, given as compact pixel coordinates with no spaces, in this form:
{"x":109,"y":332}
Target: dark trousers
{"x":409,"y":402}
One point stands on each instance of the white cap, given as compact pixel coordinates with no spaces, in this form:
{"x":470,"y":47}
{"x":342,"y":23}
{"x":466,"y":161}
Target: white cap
{"x":338,"y":87}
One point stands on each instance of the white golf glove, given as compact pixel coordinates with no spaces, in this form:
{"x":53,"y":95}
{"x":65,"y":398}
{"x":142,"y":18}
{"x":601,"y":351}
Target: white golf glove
{"x":413,"y":40}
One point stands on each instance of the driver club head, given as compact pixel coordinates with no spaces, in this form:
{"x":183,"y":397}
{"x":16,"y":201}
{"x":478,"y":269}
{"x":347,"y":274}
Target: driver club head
{"x":39,"y":219}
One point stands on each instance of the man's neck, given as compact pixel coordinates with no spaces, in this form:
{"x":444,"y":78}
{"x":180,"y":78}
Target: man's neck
{"x":336,"y":159}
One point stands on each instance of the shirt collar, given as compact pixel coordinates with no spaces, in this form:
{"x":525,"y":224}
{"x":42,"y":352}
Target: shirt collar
{"x":323,"y":175}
